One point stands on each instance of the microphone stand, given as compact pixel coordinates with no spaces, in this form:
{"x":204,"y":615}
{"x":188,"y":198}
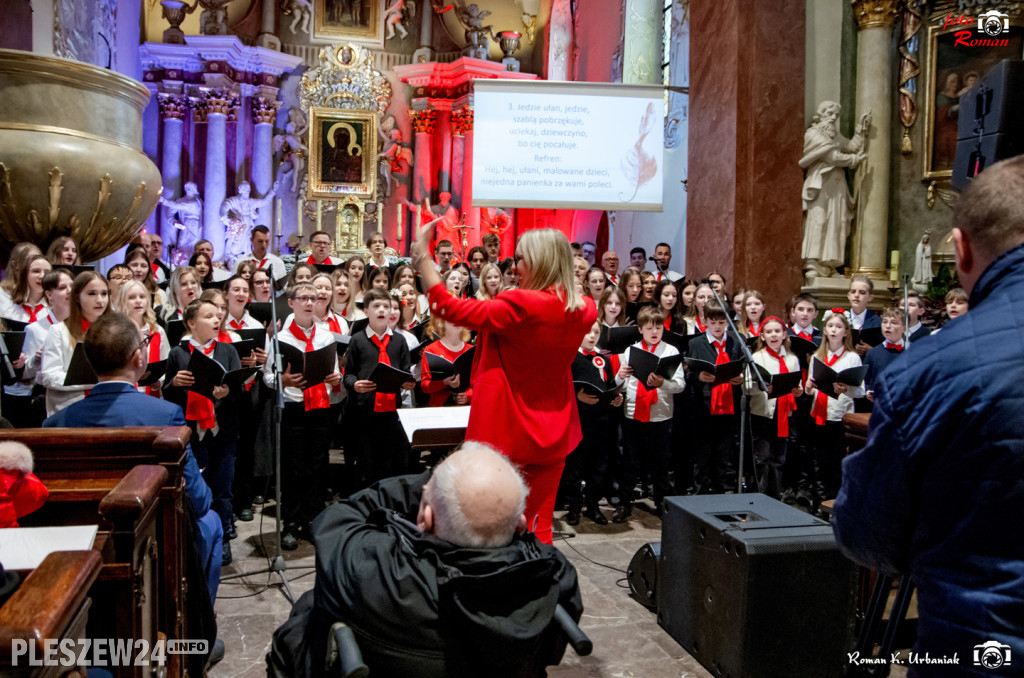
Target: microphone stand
{"x":906,"y":311}
{"x":278,"y":565}
{"x":748,"y":368}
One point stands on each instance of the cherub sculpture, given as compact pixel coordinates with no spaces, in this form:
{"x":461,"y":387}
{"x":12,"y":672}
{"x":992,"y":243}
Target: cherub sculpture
{"x":293,"y":153}
{"x":392,"y":153}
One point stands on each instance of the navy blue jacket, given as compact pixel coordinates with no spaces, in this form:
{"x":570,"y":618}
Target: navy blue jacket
{"x":938,"y":491}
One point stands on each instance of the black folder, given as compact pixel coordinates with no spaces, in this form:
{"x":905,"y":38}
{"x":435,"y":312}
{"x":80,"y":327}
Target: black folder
{"x":315,"y":366}
{"x":604,"y":395}
{"x":208,"y":374}
{"x":782,"y":384}
{"x":260,"y":311}
{"x":680,"y":341}
{"x":15,"y":341}
{"x":357,"y":326}
{"x":871,"y":336}
{"x":154,"y":372}
{"x":213,"y":285}
{"x":389,"y":379}
{"x":327,"y":268}
{"x":13,"y":325}
{"x":175,"y":331}
{"x":645,"y":363}
{"x":825,"y":377}
{"x":243,"y":348}
{"x":801,"y":346}
{"x":442,"y":369}
{"x":80,"y":372}
{"x":723,"y":373}
{"x":618,"y":339}
{"x":258,"y":336}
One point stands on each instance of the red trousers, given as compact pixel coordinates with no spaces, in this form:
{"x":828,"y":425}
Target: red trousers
{"x":540,"y":503}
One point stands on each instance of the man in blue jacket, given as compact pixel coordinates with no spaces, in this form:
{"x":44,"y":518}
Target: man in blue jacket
{"x":938,"y":491}
{"x":119,"y":358}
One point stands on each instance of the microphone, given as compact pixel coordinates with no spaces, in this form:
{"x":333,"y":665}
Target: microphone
{"x":652,"y":259}
{"x":705,"y":281}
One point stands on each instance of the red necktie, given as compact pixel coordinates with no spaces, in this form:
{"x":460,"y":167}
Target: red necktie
{"x":223,"y":337}
{"x":805,"y":335}
{"x":721,"y":395}
{"x":314,"y":397}
{"x":32,"y":312}
{"x":894,"y":347}
{"x":85,"y":325}
{"x":659,"y":276}
{"x":783,"y":404}
{"x":700,"y":326}
{"x":199,"y":408}
{"x":645,"y":399}
{"x":820,"y":409}
{"x":263,"y":262}
{"x":332,"y":324}
{"x":154,"y":357}
{"x":755,"y":331}
{"x":236,"y":324}
{"x":668,"y":323}
{"x":383,"y":402}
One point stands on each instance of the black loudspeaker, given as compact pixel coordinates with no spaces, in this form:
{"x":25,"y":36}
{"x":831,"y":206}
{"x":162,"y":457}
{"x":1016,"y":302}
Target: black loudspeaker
{"x":642,"y":574}
{"x":752,"y":587}
{"x":992,"y":108}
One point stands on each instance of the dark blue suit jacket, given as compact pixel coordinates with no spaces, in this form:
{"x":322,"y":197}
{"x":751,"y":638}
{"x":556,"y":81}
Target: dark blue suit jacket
{"x":116,"y":403}
{"x":871,"y":319}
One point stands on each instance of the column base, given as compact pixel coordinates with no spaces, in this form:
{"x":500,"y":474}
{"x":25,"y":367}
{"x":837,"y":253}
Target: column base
{"x":422,"y":55}
{"x":511,"y":64}
{"x":269,"y":40}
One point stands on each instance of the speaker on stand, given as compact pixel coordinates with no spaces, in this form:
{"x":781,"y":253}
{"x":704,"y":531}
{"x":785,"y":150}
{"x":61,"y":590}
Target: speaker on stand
{"x":989,"y":122}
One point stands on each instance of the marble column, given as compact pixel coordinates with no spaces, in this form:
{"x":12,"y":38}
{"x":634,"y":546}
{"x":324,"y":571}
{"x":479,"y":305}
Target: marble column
{"x":423,"y":123}
{"x":267,"y":38}
{"x":642,"y":42}
{"x":444,"y":136}
{"x":458,"y":157}
{"x":264,"y":112}
{"x":172,"y":112}
{"x":469,"y":212}
{"x":559,"y":31}
{"x":215,"y":190}
{"x":744,"y":213}
{"x":423,"y":54}
{"x":875,"y":22}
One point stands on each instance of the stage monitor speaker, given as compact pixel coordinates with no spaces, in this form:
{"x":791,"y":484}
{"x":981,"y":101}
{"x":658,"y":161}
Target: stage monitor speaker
{"x":642,"y":574}
{"x":752,"y":587}
{"x":988,"y":122}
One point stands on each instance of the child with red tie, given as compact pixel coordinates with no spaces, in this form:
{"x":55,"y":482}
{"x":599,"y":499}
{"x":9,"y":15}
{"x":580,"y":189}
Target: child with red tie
{"x":454,"y":342}
{"x":588,"y":463}
{"x":881,"y":356}
{"x":305,"y":420}
{"x":802,"y":313}
{"x":648,"y":425}
{"x":713,"y":408}
{"x":752,"y":318}
{"x":829,"y":438}
{"x":696,"y":321}
{"x":770,"y":416}
{"x":378,"y":440}
{"x":214,"y":423}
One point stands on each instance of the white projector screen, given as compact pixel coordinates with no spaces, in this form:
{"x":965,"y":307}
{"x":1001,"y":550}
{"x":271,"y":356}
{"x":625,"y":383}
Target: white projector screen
{"x":567,"y":145}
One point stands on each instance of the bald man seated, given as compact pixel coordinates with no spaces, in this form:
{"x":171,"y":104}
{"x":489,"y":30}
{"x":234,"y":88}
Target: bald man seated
{"x":436,"y":575}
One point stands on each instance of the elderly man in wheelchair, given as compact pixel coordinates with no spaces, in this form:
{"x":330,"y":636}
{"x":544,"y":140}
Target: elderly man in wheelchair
{"x":434,"y":575}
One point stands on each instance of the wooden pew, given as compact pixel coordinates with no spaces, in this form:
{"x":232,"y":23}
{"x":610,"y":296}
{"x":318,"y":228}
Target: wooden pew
{"x":81,"y":467}
{"x":50,"y":603}
{"x":856,"y":426}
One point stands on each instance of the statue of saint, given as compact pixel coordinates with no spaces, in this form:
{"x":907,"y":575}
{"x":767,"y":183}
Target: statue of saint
{"x":392,"y":153}
{"x":238,"y":214}
{"x":293,"y":153}
{"x":923,"y":264}
{"x":828,"y":205}
{"x":448,"y":227}
{"x":186,"y":215}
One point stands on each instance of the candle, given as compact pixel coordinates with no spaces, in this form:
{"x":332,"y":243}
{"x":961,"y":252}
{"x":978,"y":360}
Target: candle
{"x":398,"y":208}
{"x":319,"y":214}
{"x":279,"y":216}
{"x":894,"y":259}
{"x":298,"y":217}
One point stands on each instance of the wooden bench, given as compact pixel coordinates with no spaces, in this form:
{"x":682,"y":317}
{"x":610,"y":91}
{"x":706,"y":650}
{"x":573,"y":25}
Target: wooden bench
{"x":50,"y":603}
{"x":130,"y":481}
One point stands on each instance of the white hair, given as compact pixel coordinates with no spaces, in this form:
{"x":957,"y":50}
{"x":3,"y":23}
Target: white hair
{"x":451,"y":522}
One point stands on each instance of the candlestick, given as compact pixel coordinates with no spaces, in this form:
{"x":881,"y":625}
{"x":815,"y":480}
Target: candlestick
{"x":279,"y":216}
{"x":319,"y":214}
{"x":398,"y":208}
{"x":298,"y":216}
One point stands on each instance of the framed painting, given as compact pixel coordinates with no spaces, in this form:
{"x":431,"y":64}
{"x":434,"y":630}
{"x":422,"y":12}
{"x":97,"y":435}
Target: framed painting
{"x":957,"y":56}
{"x":342,"y":150}
{"x":349,"y":21}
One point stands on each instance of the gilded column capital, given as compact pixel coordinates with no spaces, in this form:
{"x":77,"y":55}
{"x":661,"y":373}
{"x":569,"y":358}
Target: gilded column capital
{"x":462,"y":121}
{"x":198,"y":107}
{"x":876,"y":13}
{"x":423,"y":122}
{"x":222,"y":102}
{"x":172,"y":106}
{"x":264,"y":110}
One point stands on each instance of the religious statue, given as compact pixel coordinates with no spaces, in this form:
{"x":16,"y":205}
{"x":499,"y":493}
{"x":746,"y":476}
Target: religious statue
{"x":293,"y":153}
{"x":923,"y":264}
{"x":393,"y":18}
{"x":214,"y":18}
{"x":186,"y":215}
{"x":826,"y":198}
{"x":238,"y":214}
{"x":448,"y":227}
{"x":392,"y":152}
{"x":495,"y":220}
{"x":477,"y":35}
{"x":302,"y":11}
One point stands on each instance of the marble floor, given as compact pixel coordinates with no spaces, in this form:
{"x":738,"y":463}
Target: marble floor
{"x":627,"y":639}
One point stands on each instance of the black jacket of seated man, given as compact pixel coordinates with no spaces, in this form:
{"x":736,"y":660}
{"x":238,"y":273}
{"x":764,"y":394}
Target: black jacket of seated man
{"x":416,"y":601}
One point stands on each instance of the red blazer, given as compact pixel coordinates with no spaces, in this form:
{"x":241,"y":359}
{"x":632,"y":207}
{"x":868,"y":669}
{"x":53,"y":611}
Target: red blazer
{"x":523,"y":399}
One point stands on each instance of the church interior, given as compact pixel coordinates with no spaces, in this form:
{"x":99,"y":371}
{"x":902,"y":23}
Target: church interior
{"x":173,"y":110}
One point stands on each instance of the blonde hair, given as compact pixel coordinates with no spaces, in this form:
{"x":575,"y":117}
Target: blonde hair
{"x":548,"y":259}
{"x":744,"y":320}
{"x":822,"y":352}
{"x":435,"y":328}
{"x":349,"y":309}
{"x":482,"y":292}
{"x":121,"y":303}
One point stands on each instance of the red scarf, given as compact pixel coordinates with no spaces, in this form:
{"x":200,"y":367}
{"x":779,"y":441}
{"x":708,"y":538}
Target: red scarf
{"x":701,"y":327}
{"x":223,"y":337}
{"x":383,"y":402}
{"x":85,"y":325}
{"x":645,"y":399}
{"x":314,"y":397}
{"x":820,"y":409}
{"x":721,"y":395}
{"x":783,"y":404}
{"x":311,"y":262}
{"x":263,"y":262}
{"x":332,"y":323}
{"x":755,"y":331}
{"x":154,"y":357}
{"x":33,"y":313}
{"x":155,"y":268}
{"x":199,"y":408}
{"x":236,"y":324}
{"x":668,"y":323}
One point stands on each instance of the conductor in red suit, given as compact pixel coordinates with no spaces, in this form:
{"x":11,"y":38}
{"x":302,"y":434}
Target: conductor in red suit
{"x":523,"y":399}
